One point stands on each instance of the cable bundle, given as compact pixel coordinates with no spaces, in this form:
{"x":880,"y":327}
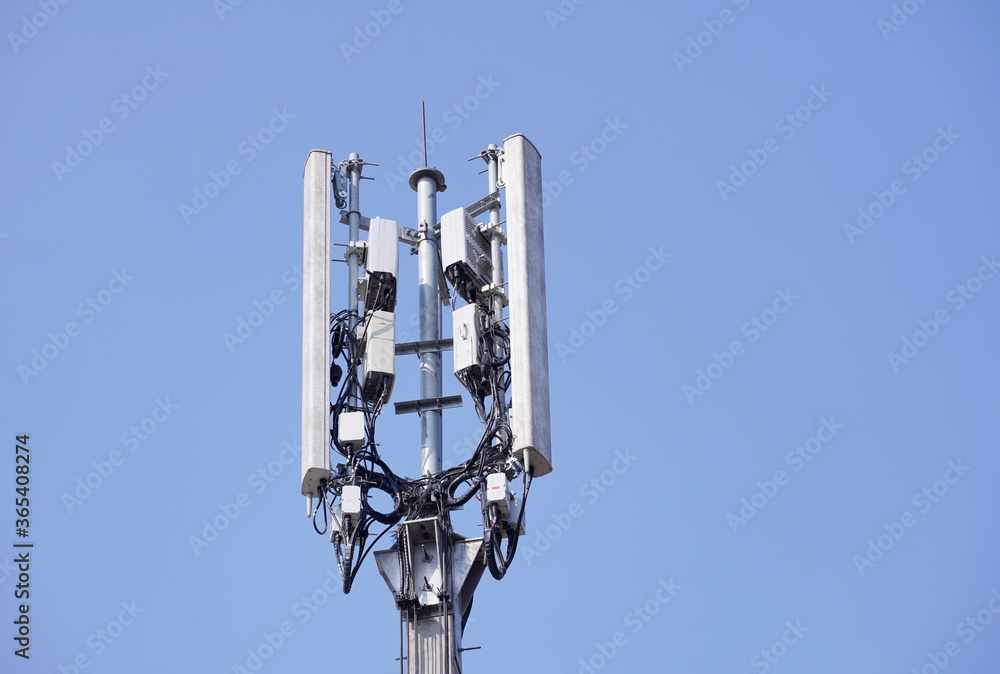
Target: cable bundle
{"x":429,"y":495}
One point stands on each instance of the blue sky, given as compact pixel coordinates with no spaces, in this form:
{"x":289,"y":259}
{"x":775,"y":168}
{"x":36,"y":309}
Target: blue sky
{"x":772,"y":250}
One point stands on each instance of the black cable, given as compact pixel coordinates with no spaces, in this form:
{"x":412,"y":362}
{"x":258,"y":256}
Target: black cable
{"x":326,"y":512}
{"x":466,"y":497}
{"x":369,"y":549}
{"x":345,"y":558}
{"x":498,"y":567}
{"x":414,"y":497}
{"x":378,"y":481}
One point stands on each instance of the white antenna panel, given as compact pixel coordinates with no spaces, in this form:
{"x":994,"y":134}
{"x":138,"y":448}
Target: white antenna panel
{"x":529,"y":349}
{"x":316,"y":322}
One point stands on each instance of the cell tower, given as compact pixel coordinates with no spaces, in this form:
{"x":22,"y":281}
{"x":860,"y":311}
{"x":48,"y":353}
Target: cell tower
{"x":500,"y":353}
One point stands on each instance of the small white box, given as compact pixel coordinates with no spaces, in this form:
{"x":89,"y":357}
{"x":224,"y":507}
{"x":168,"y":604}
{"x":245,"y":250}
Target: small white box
{"x":465,"y":338}
{"x":351,"y":428}
{"x":497,"y":492}
{"x":350,"y":499}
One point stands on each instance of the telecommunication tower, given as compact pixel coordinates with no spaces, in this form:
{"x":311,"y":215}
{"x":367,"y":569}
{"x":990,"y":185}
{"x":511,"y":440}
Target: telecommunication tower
{"x":500,"y":350}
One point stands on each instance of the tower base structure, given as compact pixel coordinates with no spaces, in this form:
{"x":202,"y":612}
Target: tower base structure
{"x":432,"y":573}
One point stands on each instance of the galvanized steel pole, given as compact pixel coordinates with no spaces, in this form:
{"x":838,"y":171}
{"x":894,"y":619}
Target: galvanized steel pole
{"x":354,"y":167}
{"x":493,"y":173}
{"x":431,"y":638}
{"x":427,"y":182}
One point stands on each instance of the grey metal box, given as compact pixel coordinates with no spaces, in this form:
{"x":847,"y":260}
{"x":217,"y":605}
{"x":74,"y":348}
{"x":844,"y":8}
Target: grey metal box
{"x":465,"y":253}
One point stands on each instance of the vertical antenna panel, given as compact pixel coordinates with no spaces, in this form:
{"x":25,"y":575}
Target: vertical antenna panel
{"x":529,"y":350}
{"x":316,"y":322}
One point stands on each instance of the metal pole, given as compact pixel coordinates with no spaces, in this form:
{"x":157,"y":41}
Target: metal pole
{"x":495,"y":251}
{"x":427,"y":182}
{"x":423,"y":126}
{"x":431,"y":630}
{"x":354,"y":167}
{"x":492,"y":156}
